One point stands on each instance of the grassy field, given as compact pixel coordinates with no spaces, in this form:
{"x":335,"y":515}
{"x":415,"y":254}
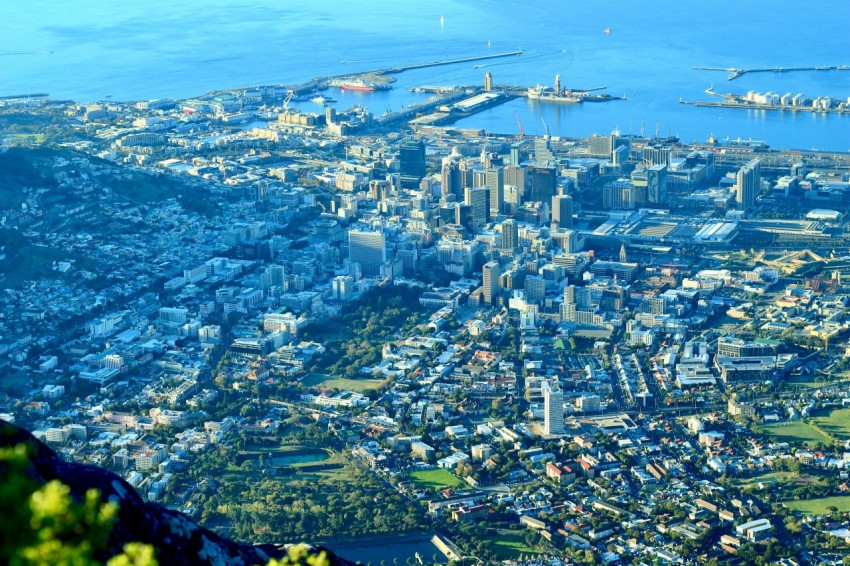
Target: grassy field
{"x":330,"y":382}
{"x":510,"y":547}
{"x":435,"y":479}
{"x":821,"y":505}
{"x":836,"y":423}
{"x":774,"y":477}
{"x":794,"y":432}
{"x":808,"y":382}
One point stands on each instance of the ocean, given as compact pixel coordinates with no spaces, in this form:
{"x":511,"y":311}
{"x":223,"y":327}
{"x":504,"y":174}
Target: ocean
{"x":87,"y":50}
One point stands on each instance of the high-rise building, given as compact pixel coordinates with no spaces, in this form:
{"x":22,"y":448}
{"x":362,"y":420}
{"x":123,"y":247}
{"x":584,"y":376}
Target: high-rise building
{"x":490,"y":283}
{"x":478,"y":198}
{"x":543,"y":150}
{"x":515,"y":154}
{"x":619,"y":194}
{"x":515,"y":176}
{"x":411,"y":158}
{"x":495,"y":179}
{"x":367,"y":248}
{"x":600,"y":146}
{"x":562,"y":210}
{"x":553,"y":411}
{"x":657,"y":155}
{"x":488,"y":81}
{"x":543,"y":182}
{"x":451,"y":181}
{"x":510,"y":235}
{"x":748,"y":184}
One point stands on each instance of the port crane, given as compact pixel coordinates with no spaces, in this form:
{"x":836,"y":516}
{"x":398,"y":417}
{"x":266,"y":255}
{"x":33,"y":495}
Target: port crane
{"x":286,"y":101}
{"x":519,"y":123}
{"x":546,"y":127}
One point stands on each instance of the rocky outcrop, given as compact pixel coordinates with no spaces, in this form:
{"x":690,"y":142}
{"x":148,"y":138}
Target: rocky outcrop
{"x":176,"y":538}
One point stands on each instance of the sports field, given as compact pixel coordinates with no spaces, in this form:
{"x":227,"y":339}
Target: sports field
{"x":435,"y":479}
{"x":821,"y":505}
{"x":796,"y":432}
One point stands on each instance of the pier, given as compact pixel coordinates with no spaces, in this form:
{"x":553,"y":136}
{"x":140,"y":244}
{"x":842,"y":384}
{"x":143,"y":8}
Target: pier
{"x":731,"y":103}
{"x":735,"y":73}
{"x":402,"y":68}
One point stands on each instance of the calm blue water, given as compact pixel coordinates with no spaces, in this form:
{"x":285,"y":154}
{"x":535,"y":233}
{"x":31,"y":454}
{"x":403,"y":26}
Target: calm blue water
{"x":159,"y":48}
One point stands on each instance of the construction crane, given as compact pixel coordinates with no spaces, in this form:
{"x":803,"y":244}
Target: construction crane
{"x":519,"y":123}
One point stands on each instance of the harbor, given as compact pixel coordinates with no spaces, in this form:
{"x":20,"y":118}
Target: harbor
{"x":773,"y":101}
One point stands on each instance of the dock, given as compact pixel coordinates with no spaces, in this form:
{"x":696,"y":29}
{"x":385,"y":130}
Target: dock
{"x":758,"y":106}
{"x":402,"y":68}
{"x":734,"y":73}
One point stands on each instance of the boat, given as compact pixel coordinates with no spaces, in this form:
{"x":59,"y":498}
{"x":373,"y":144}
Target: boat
{"x":322,"y":100}
{"x":545,"y":95}
{"x":358,"y":84}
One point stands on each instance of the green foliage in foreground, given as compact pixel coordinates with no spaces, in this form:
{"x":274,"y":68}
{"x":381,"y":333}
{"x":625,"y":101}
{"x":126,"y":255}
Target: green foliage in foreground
{"x":43,"y":525}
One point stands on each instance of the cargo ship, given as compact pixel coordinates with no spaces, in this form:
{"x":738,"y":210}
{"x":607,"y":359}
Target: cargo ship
{"x":357,"y":84}
{"x":544,"y":95}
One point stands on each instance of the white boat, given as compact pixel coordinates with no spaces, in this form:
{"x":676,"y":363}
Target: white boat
{"x":545,"y":95}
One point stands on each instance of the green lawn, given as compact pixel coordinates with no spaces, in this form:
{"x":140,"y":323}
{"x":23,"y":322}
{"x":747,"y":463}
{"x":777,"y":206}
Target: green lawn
{"x":435,"y":479}
{"x":800,"y":382}
{"x":510,"y":547}
{"x":772,"y":478}
{"x":819,"y":506}
{"x":836,"y":423}
{"x":330,"y":382}
{"x":794,"y":432}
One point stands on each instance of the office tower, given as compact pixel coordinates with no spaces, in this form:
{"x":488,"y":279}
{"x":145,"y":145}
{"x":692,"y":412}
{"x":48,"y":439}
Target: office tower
{"x":368,"y":249}
{"x":491,"y":285}
{"x":451,"y":181}
{"x":488,"y":81}
{"x":411,"y":157}
{"x":515,"y":154}
{"x":543,"y":150}
{"x":543,"y":182}
{"x":748,"y":184}
{"x":600,"y":146}
{"x":512,"y":198}
{"x":515,"y":176}
{"x":479,"y":177}
{"x":553,"y":412}
{"x":464,"y":217}
{"x":510,"y":235}
{"x":448,"y":214}
{"x":495,"y":179}
{"x":535,"y":288}
{"x":657,"y":155}
{"x":343,"y":287}
{"x":479,"y":199}
{"x":619,"y":194}
{"x":466,"y":173}
{"x":562,"y":210}
{"x":656,"y":184}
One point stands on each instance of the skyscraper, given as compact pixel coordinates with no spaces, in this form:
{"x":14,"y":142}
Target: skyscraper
{"x":411,"y":158}
{"x":495,"y":179}
{"x":553,"y":412}
{"x":562,"y":210}
{"x":748,"y":184}
{"x":543,"y":181}
{"x":478,"y":198}
{"x":491,"y":285}
{"x":369,"y":249}
{"x":510,"y":235}
{"x":451,"y":181}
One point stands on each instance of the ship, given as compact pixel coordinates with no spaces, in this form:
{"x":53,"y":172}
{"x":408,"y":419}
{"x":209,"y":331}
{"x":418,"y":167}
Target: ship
{"x":545,"y":95}
{"x":357,"y":84}
{"x":322,"y":100}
